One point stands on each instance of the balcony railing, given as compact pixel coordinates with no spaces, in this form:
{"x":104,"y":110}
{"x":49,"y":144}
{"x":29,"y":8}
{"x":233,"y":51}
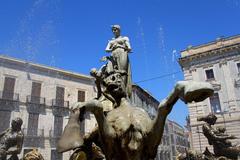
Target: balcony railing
{"x":60,"y":103}
{"x":33,"y":132}
{"x":36,"y":100}
{"x":11,"y":96}
{"x":210,"y":79}
{"x":54,"y":134}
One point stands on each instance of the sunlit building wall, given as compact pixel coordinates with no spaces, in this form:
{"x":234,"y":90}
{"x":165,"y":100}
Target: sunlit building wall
{"x":218,"y":63}
{"x":41,"y":96}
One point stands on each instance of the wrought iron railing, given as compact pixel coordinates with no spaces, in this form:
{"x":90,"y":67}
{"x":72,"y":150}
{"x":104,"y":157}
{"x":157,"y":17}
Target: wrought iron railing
{"x":210,"y":79}
{"x":54,"y":134}
{"x":32,"y":132}
{"x":7,"y":95}
{"x":36,"y":100}
{"x":60,"y":103}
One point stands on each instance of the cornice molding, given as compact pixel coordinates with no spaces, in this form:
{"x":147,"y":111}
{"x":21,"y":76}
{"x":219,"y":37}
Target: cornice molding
{"x":218,"y":51}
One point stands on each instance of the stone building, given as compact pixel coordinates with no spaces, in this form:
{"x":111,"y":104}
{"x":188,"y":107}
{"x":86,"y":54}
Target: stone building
{"x":174,"y":138}
{"x":41,"y":96}
{"x":179,"y":142}
{"x":217,"y":62}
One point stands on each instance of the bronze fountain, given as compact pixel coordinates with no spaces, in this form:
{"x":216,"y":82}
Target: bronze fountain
{"x":124,"y":132}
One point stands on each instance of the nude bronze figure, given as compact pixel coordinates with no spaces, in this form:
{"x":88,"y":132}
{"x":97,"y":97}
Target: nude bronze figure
{"x":11,"y":140}
{"x":219,"y":139}
{"x":222,"y":146}
{"x":124,"y":131}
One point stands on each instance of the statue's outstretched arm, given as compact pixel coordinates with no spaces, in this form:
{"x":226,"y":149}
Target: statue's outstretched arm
{"x":184,"y":90}
{"x":157,"y":128}
{"x":215,"y":137}
{"x":109,"y":47}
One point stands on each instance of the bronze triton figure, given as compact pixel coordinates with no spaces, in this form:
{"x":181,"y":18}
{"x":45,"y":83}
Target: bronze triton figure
{"x":222,"y":146}
{"x":11,"y":140}
{"x":219,"y":139}
{"x":124,"y":132}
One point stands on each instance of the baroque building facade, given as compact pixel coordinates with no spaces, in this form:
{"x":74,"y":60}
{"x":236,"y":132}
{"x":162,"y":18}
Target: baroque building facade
{"x":42,"y":97}
{"x":217,"y":62}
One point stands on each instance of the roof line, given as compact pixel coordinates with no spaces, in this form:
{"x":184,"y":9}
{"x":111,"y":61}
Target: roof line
{"x":42,"y":66}
{"x":222,"y":38}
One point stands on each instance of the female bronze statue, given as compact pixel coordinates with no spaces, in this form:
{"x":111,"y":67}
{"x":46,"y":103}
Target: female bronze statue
{"x":120,"y":47}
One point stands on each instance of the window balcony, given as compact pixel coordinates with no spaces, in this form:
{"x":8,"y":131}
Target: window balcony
{"x":36,"y":100}
{"x":54,"y":134}
{"x":33,"y":133}
{"x":9,"y":96}
{"x":60,"y":103}
{"x":33,"y":137}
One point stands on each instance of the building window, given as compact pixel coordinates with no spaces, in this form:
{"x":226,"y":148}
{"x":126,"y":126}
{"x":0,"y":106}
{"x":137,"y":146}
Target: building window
{"x":238,"y":67}
{"x":60,"y":96}
{"x":58,"y":126}
{"x":81,"y":96}
{"x":36,"y":92}
{"x":33,"y":124}
{"x":5,"y":117}
{"x":8,"y":89}
{"x":173,"y":151}
{"x":55,"y":155}
{"x":215,"y":103}
{"x":209,"y":74}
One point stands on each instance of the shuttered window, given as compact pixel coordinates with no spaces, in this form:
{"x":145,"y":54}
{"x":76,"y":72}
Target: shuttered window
{"x":215,"y":103}
{"x":238,"y":67}
{"x":58,"y":125}
{"x":33,"y":124}
{"x":60,"y":96}
{"x":55,"y":155}
{"x":4,"y":120}
{"x":36,"y":92}
{"x":81,"y":96}
{"x":8,"y":89}
{"x":209,"y":74}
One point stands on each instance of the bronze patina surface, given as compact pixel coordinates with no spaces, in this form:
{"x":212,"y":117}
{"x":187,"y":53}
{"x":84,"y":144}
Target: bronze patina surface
{"x":124,"y":132}
{"x":11,"y":140}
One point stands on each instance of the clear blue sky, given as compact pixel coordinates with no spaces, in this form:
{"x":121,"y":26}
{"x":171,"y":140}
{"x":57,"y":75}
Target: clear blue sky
{"x":72,"y":35}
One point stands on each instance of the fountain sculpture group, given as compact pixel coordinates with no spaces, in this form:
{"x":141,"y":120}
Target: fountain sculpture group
{"x":124,"y":131}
